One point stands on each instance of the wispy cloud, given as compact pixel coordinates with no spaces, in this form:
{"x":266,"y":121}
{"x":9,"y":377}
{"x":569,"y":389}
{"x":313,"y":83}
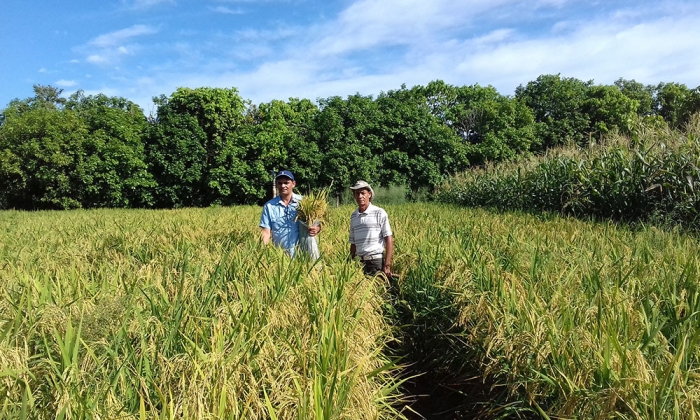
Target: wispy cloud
{"x":373,"y":46}
{"x":65,"y":83}
{"x":226,"y":10}
{"x":145,"y":4}
{"x":117,"y":37}
{"x":111,"y":47}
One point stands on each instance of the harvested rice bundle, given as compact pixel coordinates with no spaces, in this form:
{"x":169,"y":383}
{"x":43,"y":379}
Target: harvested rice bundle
{"x":312,"y":208}
{"x":311,"y":211}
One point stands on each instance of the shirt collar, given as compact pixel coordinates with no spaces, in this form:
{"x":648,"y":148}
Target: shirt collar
{"x":366,"y":210}
{"x":295,"y":199}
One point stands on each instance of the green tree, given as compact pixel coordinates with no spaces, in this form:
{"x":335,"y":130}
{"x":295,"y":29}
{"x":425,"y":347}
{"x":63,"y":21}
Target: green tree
{"x":557,"y":106}
{"x":114,"y":170}
{"x":495,"y":126}
{"x":419,"y":149}
{"x":192,"y":149}
{"x":284,"y":137}
{"x":675,"y":103}
{"x":41,"y":157}
{"x":348,"y":141}
{"x":608,"y":110}
{"x":568,"y":110}
{"x":644,"y":95}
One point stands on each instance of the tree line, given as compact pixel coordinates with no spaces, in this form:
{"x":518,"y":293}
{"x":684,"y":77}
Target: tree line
{"x":208,"y":146}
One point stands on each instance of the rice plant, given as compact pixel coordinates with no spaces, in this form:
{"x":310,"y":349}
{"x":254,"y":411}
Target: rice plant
{"x":182,"y":314}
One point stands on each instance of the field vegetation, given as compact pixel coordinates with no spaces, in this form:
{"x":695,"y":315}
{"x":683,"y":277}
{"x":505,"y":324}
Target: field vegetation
{"x":532,"y":316}
{"x":653,"y":175}
{"x":207,"y":146}
{"x":183,"y":314}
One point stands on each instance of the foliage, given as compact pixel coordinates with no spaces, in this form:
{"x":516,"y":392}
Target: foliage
{"x":203,"y":122}
{"x":555,"y":318}
{"x":644,"y":95}
{"x":348,"y":141}
{"x":177,"y":159}
{"x":569,"y":111}
{"x":495,"y":127}
{"x":675,"y":103}
{"x":208,"y":146}
{"x":655,"y":175}
{"x":419,"y":149}
{"x":116,"y":174}
{"x":183,"y":314}
{"x":80,"y":152}
{"x":282,"y":136}
{"x":41,"y":158}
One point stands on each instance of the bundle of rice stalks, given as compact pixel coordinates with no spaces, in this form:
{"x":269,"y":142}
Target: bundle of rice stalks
{"x":312,"y":208}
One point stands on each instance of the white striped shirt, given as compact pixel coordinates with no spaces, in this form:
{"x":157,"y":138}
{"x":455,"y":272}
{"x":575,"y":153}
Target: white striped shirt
{"x":368,"y":230}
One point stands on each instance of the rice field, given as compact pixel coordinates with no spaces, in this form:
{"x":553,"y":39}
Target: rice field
{"x":141,"y":314}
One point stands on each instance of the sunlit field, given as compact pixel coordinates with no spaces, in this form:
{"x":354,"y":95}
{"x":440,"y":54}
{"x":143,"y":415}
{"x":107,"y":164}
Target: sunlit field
{"x":184,"y":314}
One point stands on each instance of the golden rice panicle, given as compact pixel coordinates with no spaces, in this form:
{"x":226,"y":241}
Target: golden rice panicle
{"x":313,"y":206}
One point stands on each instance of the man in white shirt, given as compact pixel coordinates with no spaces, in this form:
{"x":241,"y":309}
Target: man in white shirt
{"x":370,"y":232}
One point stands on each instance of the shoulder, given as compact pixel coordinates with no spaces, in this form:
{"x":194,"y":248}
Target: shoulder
{"x":297,"y":197}
{"x":374,"y":209}
{"x":272,"y":202}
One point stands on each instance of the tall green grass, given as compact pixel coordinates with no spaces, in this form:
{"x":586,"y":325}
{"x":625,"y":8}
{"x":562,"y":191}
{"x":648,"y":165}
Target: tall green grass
{"x":653,"y":176}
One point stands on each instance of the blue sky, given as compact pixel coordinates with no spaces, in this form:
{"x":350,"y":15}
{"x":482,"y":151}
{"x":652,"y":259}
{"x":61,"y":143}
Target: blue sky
{"x":277,"y":49}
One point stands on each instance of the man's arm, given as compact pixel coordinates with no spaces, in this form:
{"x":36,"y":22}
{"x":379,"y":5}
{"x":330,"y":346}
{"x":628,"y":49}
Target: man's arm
{"x":389,"y":247}
{"x":353,"y":251}
{"x":265,"y":234}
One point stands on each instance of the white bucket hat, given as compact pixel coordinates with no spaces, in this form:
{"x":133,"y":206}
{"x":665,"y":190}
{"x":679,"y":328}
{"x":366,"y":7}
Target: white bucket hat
{"x":362,"y":184}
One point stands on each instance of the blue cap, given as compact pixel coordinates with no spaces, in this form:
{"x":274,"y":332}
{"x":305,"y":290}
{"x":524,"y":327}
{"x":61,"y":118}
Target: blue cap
{"x":285,"y":173}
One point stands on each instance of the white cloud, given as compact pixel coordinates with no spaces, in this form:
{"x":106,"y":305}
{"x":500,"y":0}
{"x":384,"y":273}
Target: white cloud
{"x":226,"y":10}
{"x":145,"y":4}
{"x":65,"y":83}
{"x":376,"y":46}
{"x":42,"y":70}
{"x":97,"y":59}
{"x":604,"y":51}
{"x":118,"y":37}
{"x":368,"y":23}
{"x":110,"y":48}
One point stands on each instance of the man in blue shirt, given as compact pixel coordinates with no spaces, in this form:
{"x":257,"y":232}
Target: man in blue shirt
{"x":278,"y":221}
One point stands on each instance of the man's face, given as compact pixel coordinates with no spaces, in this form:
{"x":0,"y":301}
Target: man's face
{"x":362,"y":197}
{"x":285,"y":185}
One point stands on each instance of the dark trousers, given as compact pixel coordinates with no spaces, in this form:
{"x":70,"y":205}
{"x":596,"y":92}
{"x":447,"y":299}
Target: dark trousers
{"x":372,"y":267}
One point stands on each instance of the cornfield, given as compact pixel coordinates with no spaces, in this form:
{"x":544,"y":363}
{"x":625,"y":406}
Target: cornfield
{"x":653,"y":176}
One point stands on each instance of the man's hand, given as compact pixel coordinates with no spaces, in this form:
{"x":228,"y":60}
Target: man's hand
{"x":389,"y":255}
{"x":265,"y":235}
{"x":313,"y":230}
